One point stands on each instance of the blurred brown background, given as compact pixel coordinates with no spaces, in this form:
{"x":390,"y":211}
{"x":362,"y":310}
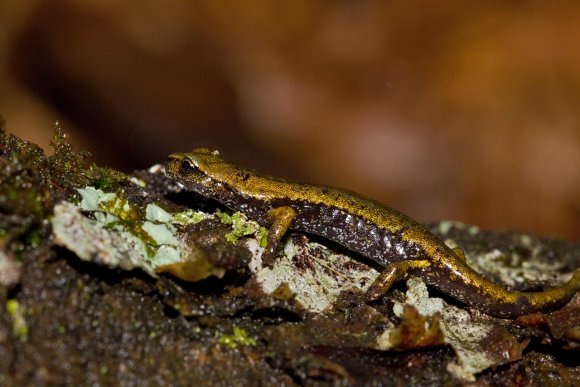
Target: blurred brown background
{"x":445,"y":110}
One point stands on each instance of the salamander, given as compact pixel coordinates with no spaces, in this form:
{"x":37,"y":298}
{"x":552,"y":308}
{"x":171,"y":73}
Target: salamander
{"x":384,"y":235}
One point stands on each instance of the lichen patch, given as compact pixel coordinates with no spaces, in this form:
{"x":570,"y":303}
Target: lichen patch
{"x":9,"y":269}
{"x":313,"y":273}
{"x":479,"y":341}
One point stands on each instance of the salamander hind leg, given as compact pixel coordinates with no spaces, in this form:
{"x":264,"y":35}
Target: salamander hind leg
{"x":393,"y":273}
{"x":281,"y":218}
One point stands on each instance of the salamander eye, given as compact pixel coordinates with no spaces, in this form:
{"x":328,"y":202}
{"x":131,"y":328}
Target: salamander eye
{"x":187,"y":167}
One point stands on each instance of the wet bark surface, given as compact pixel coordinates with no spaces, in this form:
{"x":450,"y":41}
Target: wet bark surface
{"x":69,"y":319}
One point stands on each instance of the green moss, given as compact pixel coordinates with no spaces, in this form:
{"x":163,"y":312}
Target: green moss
{"x":66,"y":166}
{"x":188,"y":217}
{"x":116,"y":213}
{"x":31,"y":183}
{"x":262,"y":237}
{"x":105,"y":178}
{"x":121,"y":208}
{"x":224,"y":217}
{"x":151,"y":231}
{"x":33,"y":238}
{"x":241,"y":226}
{"x":239,"y":337}
{"x":16,"y":313}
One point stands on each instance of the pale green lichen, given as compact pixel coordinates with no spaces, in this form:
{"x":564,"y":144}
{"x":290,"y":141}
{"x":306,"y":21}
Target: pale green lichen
{"x":93,"y":199}
{"x":469,"y":334}
{"x":446,"y":225}
{"x":473,"y":230}
{"x":126,"y":236}
{"x":138,"y":182}
{"x":117,"y":206}
{"x":317,"y":285}
{"x":239,"y":337}
{"x":166,"y":255}
{"x":90,"y":198}
{"x":154,"y":213}
{"x":188,"y":217}
{"x":161,"y":233}
{"x":9,"y":269}
{"x":512,"y":268}
{"x":92,"y":240}
{"x":16,"y":313}
{"x":118,"y":236}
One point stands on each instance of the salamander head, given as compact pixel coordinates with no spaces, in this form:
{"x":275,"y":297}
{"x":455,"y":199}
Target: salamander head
{"x":205,"y":172}
{"x":197,"y":169}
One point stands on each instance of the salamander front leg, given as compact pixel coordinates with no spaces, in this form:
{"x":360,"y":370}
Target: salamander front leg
{"x":281,"y":218}
{"x":393,"y":273}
